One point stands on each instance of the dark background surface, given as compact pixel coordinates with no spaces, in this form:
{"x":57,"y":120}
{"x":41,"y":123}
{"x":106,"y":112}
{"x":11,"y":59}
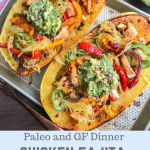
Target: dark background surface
{"x":13,"y":116}
{"x":139,"y":4}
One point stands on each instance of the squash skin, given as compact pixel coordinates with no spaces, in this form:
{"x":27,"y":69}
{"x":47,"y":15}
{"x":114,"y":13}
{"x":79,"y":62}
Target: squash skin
{"x":108,"y":112}
{"x":18,"y":8}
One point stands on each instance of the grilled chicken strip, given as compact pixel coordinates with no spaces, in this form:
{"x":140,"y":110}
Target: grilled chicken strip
{"x":70,"y":9}
{"x":74,"y":76}
{"x":62,"y":35}
{"x":89,"y":6}
{"x":127,"y":67}
{"x":102,"y":100}
{"x":111,"y":59}
{"x":10,"y":42}
{"x":131,"y":33}
{"x":121,"y":27}
{"x":86,"y":57}
{"x":76,"y":117}
{"x":114,"y":94}
{"x":29,"y":2}
{"x":119,"y":88}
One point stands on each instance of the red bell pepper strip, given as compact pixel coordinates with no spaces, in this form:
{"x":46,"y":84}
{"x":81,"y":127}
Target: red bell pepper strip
{"x":90,"y":48}
{"x":116,"y":47}
{"x":3,"y":45}
{"x":34,"y":55}
{"x":112,"y":99}
{"x":65,"y":16}
{"x":38,"y":37}
{"x":123,"y":76}
{"x":131,"y":81}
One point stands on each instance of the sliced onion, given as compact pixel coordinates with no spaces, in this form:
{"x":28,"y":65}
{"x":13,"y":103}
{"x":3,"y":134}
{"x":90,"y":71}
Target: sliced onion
{"x":139,"y":67}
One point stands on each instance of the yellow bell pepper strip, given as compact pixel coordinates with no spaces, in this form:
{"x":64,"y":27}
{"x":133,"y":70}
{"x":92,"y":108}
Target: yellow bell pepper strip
{"x":111,"y":43}
{"x":78,"y":16}
{"x":106,"y":40}
{"x":77,"y":8}
{"x":65,"y":70}
{"x":57,"y":43}
{"x":79,"y":61}
{"x":73,"y":26}
{"x":23,"y":23}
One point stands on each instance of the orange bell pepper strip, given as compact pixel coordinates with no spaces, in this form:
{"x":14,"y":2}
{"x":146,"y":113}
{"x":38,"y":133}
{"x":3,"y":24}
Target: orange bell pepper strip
{"x":57,"y":43}
{"x":65,"y":70}
{"x":78,"y":16}
{"x":77,"y":8}
{"x":69,"y":21}
{"x":23,"y":23}
{"x":79,"y":61}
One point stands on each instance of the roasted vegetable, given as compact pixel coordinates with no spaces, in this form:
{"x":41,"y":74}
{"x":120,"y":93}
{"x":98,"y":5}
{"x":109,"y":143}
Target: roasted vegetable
{"x":34,"y":55}
{"x":90,"y":48}
{"x":23,"y":23}
{"x":75,"y":19}
{"x":56,"y":102}
{"x":123,"y":76}
{"x":22,"y":39}
{"x":51,"y":45}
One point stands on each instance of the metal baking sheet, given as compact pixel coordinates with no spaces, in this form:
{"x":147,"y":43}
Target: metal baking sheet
{"x":30,"y":85}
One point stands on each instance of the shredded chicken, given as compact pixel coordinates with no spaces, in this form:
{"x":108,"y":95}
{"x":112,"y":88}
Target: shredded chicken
{"x":131,"y":33}
{"x":62,"y":35}
{"x":70,"y":9}
{"x":76,"y":117}
{"x":86,"y":57}
{"x":74,"y":76}
{"x":121,"y":27}
{"x":10,"y":42}
{"x":127,"y":67}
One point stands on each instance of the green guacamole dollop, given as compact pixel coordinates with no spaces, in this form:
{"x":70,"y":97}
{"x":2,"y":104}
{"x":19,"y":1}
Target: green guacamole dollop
{"x":44,"y":17}
{"x":98,"y":76}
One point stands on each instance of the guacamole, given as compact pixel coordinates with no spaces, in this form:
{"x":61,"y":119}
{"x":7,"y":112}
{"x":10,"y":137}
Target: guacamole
{"x":97,"y":76}
{"x":44,"y":17}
